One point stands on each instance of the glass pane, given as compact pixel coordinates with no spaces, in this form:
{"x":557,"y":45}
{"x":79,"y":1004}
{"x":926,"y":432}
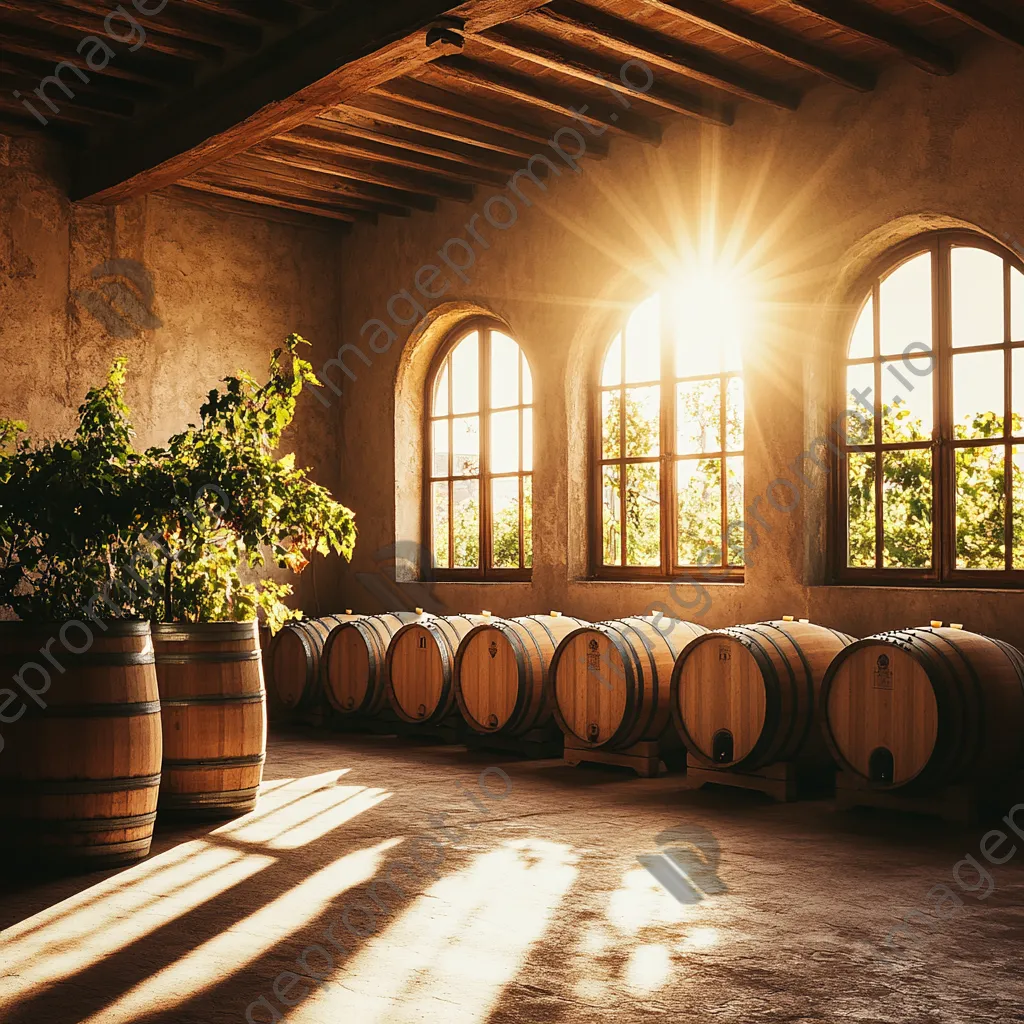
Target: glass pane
{"x":978,"y":317}
{"x":466,"y":446}
{"x":466,"y":374}
{"x":699,"y":417}
{"x":860,"y":404}
{"x":699,"y":518}
{"x":1016,"y":305}
{"x":612,"y":515}
{"x":906,"y":401}
{"x":612,"y":373}
{"x":504,"y":371}
{"x":467,"y":524}
{"x":978,"y":395}
{"x":906,"y":306}
{"x":505,"y":442}
{"x":439,"y":466}
{"x":440,"y":503}
{"x":1017,"y":400}
{"x":527,"y":383}
{"x":441,"y":393}
{"x":527,"y":440}
{"x":528,"y":521}
{"x":734,"y":413}
{"x":643,"y":515}
{"x":643,"y":422}
{"x":907,"y":510}
{"x":1018,"y":507}
{"x":861,"y":524}
{"x":734,"y":492}
{"x":981,"y":508}
{"x":862,"y":343}
{"x":707,"y":322}
{"x":505,"y":523}
{"x":611,"y":405}
{"x":643,"y":342}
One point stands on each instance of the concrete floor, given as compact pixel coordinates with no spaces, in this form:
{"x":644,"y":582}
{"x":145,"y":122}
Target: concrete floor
{"x":534,"y":909}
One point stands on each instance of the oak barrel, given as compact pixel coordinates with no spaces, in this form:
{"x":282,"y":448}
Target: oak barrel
{"x":353,"y":664}
{"x":295,"y":661}
{"x":80,"y":761}
{"x":748,"y":697}
{"x":214,"y":717}
{"x":611,"y":681}
{"x":501,"y":672}
{"x":420,"y":666}
{"x":925,"y":707}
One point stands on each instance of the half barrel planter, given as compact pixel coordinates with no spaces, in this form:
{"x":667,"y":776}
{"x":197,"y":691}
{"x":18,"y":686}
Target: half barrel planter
{"x":80,"y":766}
{"x":214,"y":710}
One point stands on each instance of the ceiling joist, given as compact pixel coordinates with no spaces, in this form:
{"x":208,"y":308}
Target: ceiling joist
{"x":985,"y":19}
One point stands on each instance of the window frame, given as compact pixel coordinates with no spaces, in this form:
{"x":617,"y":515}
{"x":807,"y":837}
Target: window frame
{"x":668,"y":571}
{"x":483,"y":573}
{"x":943,"y":445}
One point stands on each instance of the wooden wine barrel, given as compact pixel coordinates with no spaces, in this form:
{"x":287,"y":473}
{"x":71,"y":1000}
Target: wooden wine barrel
{"x":922,"y":708}
{"x":501,"y":672}
{"x":214,"y":717}
{"x":295,"y":661}
{"x":80,"y":765}
{"x":747,"y":697}
{"x":612,"y":680}
{"x":354,"y":665}
{"x":420,"y":666}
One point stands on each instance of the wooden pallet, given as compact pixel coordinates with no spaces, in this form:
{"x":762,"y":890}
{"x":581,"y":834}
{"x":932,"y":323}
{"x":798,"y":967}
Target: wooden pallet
{"x":960,"y":804}
{"x":536,"y":745}
{"x":779,"y":781}
{"x":646,"y":759}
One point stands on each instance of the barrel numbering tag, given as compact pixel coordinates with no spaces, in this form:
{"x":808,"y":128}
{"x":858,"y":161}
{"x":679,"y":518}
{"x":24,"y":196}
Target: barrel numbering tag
{"x":724,"y":653}
{"x":493,"y":650}
{"x":423,"y":643}
{"x":883,"y":673}
{"x":593,"y":657}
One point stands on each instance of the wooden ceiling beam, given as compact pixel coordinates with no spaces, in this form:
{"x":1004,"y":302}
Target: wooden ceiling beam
{"x":568,"y":105}
{"x":985,"y":19}
{"x":253,"y":12}
{"x":250,"y":195}
{"x":87,"y":100}
{"x":768,"y":38}
{"x":575,"y":21}
{"x":100,"y":84}
{"x":573,"y":62}
{"x":880,"y":27}
{"x":178,"y":195}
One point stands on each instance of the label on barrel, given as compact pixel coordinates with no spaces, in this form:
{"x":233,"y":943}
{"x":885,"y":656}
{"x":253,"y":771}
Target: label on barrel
{"x":724,"y":653}
{"x":423,"y":643}
{"x":593,"y":657}
{"x":883,"y":674}
{"x":493,"y":650}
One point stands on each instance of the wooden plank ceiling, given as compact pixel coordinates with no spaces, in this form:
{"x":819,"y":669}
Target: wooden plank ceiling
{"x":338,"y":110}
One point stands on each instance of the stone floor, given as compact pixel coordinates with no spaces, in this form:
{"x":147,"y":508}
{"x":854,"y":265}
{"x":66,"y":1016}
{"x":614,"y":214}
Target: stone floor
{"x":520,"y":892}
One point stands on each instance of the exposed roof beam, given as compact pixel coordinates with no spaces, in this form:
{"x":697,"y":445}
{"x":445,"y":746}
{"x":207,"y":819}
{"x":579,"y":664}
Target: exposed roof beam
{"x":985,"y":19}
{"x":632,"y":40}
{"x":763,"y":35}
{"x":249,"y":195}
{"x":872,"y":23}
{"x":178,"y":194}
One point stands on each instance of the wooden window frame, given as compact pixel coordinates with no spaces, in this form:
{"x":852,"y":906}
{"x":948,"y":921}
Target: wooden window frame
{"x":944,"y":572}
{"x":484,"y":572}
{"x":668,"y":571}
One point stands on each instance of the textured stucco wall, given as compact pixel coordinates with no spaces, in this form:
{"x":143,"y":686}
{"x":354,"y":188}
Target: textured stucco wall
{"x":228,"y":290}
{"x":804,"y":200}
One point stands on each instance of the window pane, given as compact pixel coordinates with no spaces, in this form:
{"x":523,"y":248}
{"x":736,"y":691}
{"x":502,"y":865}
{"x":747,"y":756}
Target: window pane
{"x":612,"y":374}
{"x":906,"y":306}
{"x":504,"y":371}
{"x":441,"y":393}
{"x":643,"y":342}
{"x":1016,"y":305}
{"x":907,"y":509}
{"x":978,"y":396}
{"x":861,"y":523}
{"x":643,"y":515}
{"x":440,"y":503}
{"x":734,"y":486}
{"x":466,"y":446}
{"x":611,"y":407}
{"x":978,"y":317}
{"x":1018,"y":507}
{"x":1017,"y":402}
{"x":527,"y":440}
{"x":528,"y":521}
{"x":981,"y":508}
{"x":467,"y":524}
{"x":440,"y":446}
{"x":860,"y":404}
{"x":505,"y":523}
{"x":505,"y":442}
{"x":699,"y":417}
{"x":466,"y":374}
{"x":699,"y":519}
{"x":707,"y":322}
{"x":862,"y":343}
{"x":611,"y":515}
{"x":527,"y":383}
{"x":734,"y":413}
{"x":643,"y":422}
{"x":906,"y":402}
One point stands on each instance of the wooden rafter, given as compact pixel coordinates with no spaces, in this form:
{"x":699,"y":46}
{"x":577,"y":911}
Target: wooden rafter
{"x":984,"y":18}
{"x":252,"y":195}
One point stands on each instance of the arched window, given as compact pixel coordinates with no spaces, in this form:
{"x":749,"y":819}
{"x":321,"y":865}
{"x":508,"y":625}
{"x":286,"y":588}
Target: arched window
{"x":933,"y":448}
{"x":669,"y":459}
{"x":479,"y":487}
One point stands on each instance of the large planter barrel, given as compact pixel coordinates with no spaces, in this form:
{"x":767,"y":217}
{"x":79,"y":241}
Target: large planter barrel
{"x":501,"y":672}
{"x":214,"y":717}
{"x":612,"y":680}
{"x":80,"y":766}
{"x":295,"y":661}
{"x":353,"y":662}
{"x":747,"y":697}
{"x":916,"y":709}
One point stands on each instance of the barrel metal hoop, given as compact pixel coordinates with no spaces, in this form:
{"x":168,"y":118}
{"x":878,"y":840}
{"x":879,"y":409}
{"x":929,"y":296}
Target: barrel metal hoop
{"x":784,"y":741}
{"x":77,"y":787}
{"x":66,"y":659}
{"x":60,"y":826}
{"x":212,"y":658}
{"x":204,"y":632}
{"x":196,"y":764}
{"x":172,"y":801}
{"x":121,"y":709}
{"x":215,"y":698}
